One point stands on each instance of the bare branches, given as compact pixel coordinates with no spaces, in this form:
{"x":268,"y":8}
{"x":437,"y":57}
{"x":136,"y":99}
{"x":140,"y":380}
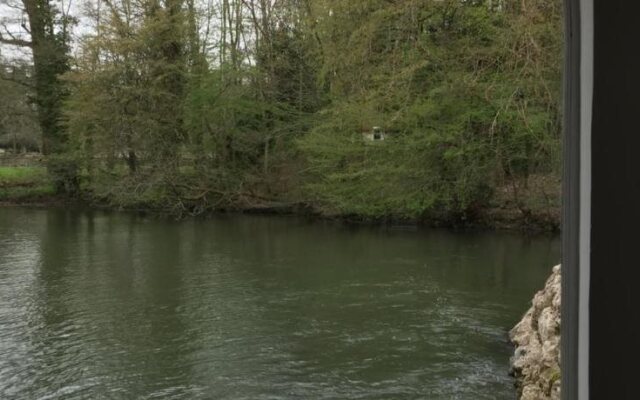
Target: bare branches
{"x":11,"y":39}
{"x":11,"y":24}
{"x":15,"y":42}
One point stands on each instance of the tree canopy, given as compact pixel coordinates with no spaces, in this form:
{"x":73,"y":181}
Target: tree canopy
{"x":189,"y":105}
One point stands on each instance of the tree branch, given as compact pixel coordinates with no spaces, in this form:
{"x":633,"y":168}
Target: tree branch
{"x":15,"y":42}
{"x":12,"y":40}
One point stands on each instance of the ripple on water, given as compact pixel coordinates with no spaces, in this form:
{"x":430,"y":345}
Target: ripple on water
{"x":114,"y":306}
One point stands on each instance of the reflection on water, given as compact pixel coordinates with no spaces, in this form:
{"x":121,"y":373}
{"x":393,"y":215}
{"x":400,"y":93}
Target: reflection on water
{"x":98,"y":305}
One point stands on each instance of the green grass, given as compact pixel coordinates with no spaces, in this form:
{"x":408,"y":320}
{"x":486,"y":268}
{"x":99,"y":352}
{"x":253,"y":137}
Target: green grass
{"x":24,"y":183}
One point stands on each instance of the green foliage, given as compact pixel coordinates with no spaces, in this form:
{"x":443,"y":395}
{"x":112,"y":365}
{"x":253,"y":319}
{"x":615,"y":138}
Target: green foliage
{"x":468,"y":93}
{"x":50,"y":47}
{"x":128,"y":94}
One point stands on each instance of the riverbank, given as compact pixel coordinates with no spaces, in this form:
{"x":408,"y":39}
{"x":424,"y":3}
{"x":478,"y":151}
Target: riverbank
{"x":27,"y":184}
{"x":496,"y":220}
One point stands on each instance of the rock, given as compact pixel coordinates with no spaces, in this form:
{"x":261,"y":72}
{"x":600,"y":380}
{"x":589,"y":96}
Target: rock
{"x":536,"y":360}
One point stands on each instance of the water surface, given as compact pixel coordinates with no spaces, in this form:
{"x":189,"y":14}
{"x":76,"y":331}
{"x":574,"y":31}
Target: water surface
{"x":116,"y":306}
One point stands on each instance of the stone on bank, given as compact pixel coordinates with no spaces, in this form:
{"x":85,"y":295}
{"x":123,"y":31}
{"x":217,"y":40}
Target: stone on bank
{"x":536,"y":362}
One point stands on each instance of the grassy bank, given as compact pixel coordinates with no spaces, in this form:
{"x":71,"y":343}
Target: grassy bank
{"x":23,"y":185}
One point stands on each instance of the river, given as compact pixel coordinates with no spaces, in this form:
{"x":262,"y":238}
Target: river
{"x":119,"y":306}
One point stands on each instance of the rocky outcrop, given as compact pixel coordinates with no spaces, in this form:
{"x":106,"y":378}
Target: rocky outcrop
{"x":536,"y":362}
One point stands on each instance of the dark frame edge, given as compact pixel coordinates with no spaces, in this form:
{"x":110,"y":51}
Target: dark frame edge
{"x":571,"y":202}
